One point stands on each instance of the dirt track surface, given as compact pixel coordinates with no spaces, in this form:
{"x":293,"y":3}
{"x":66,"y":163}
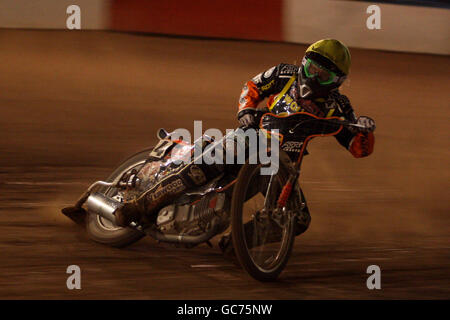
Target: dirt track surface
{"x":74,"y":104}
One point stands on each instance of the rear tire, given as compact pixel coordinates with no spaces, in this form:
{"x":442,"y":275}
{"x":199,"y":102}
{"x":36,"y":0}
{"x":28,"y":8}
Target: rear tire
{"x":105,"y":232}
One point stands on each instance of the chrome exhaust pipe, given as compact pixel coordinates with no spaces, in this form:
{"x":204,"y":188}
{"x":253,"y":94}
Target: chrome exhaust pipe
{"x":103,"y":206}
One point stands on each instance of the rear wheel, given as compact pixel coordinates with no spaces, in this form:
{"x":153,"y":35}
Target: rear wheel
{"x":104,"y":231}
{"x":262,"y":234}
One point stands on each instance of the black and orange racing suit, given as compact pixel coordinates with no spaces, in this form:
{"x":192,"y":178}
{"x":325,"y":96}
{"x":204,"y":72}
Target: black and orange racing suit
{"x":279,"y":85}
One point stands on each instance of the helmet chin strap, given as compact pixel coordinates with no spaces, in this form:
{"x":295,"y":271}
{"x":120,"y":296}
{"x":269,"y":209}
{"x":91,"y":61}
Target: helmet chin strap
{"x":305,"y":91}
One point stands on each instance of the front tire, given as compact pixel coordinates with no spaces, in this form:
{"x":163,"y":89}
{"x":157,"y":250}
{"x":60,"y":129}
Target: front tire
{"x":102,"y":230}
{"x":244,"y":191}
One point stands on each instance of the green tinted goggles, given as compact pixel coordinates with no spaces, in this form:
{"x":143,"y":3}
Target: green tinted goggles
{"x":315,"y":70}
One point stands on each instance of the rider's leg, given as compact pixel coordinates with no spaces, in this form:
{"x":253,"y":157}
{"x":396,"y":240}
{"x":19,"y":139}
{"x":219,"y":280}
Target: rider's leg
{"x":303,"y":219}
{"x":302,"y":222}
{"x":163,"y":191}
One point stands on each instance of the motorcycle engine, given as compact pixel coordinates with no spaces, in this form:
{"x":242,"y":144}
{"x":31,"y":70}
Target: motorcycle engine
{"x":193,"y":219}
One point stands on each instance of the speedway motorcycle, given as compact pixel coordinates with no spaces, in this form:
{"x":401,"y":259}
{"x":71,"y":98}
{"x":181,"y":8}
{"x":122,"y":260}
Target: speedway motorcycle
{"x":263,"y":211}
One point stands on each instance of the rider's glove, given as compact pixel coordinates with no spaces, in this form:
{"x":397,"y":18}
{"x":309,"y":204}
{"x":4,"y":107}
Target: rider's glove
{"x":367,"y":123}
{"x":247,"y":120}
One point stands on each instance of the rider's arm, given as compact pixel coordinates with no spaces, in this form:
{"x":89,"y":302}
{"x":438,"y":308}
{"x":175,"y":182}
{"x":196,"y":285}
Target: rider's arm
{"x":263,"y":85}
{"x":360,"y":144}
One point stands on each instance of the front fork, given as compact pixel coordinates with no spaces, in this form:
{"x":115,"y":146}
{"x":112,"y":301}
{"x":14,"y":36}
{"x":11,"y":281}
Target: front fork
{"x":293,"y":176}
{"x":286,"y":192}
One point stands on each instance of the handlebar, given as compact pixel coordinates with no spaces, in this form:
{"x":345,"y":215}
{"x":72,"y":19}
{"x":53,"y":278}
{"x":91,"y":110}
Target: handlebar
{"x":345,"y":123}
{"x":259,"y":113}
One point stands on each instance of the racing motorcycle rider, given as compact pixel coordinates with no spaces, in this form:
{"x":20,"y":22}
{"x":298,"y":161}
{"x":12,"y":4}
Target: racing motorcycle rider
{"x":313,"y":87}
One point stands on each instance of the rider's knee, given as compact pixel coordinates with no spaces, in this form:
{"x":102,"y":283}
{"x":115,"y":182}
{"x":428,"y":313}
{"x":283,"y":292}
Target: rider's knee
{"x":302,"y":222}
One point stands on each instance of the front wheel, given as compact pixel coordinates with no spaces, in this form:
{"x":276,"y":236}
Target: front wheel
{"x":263,"y":235}
{"x":104,"y":231}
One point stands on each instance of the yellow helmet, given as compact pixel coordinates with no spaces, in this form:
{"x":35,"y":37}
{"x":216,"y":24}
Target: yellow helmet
{"x":324,"y":68}
{"x":333,"y":50}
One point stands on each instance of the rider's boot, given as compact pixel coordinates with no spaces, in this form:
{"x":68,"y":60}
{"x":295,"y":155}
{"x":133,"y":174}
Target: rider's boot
{"x":226,"y":242}
{"x":127,"y":214}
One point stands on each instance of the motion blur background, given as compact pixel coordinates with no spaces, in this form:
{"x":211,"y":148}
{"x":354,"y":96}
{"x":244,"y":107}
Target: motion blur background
{"x":75,"y":103}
